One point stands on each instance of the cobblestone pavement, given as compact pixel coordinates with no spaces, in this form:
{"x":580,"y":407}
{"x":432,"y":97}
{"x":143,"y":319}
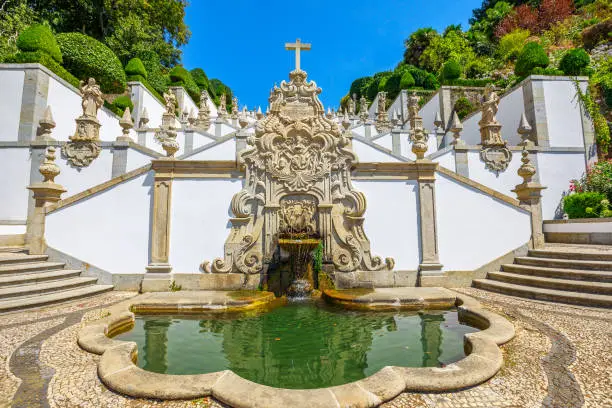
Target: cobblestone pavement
{"x":559,"y":358}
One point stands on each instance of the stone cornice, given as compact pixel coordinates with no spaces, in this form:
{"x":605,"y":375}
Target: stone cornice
{"x":418,"y":170}
{"x":170,"y":169}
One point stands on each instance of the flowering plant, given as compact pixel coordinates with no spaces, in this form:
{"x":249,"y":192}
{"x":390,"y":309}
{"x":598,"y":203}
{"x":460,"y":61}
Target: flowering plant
{"x":598,"y":178}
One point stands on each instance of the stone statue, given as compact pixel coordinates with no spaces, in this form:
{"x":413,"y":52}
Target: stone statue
{"x":489,"y":106}
{"x":171,"y":103}
{"x":92,"y":98}
{"x":363,"y":109}
{"x":234,"y":107}
{"x":203,"y":120}
{"x":383,"y":124}
{"x":494,"y":152}
{"x":413,"y":105}
{"x":222,"y":106}
{"x":351,"y":106}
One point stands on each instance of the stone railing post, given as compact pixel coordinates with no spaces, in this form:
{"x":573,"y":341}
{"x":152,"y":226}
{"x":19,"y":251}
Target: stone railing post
{"x":430,"y":261}
{"x":529,"y":195}
{"x":45,"y":193}
{"x":121,"y":145}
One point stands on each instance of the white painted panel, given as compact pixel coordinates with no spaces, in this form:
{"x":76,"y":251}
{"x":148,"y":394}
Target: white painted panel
{"x":136,"y":159}
{"x":359,"y":130}
{"x":447,"y":160}
{"x":223,"y":151}
{"x":511,"y":107}
{"x":391,"y":220}
{"x":556,"y":171}
{"x":429,"y":110}
{"x":155,"y":109}
{"x":200,"y":220}
{"x":76,"y":180}
{"x":12,"y":229}
{"x":226,"y":129}
{"x":475,"y":228}
{"x":201,"y":140}
{"x":14,"y":177}
{"x":386,"y":141}
{"x":563,"y":114}
{"x":109,"y":230}
{"x":585,"y":227}
{"x":11,"y":84}
{"x":504,"y":182}
{"x":471,"y":131}
{"x":366,"y":153}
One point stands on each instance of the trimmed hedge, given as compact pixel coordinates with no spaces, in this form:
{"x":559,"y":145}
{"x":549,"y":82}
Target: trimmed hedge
{"x":46,"y":60}
{"x":430,"y":82}
{"x":179,"y":76}
{"x":85,"y":57}
{"x":39,"y":37}
{"x":469,"y":82}
{"x":121,"y":102}
{"x":407,"y":81}
{"x":584,"y":205}
{"x":156,"y":77}
{"x":135,"y":67}
{"x":358,"y":85}
{"x":574,"y":61}
{"x":531,"y":56}
{"x":451,"y":70}
{"x":392,"y":86}
{"x":200,"y":78}
{"x":464,"y":107}
{"x":219,"y":88}
{"x":547,"y":71}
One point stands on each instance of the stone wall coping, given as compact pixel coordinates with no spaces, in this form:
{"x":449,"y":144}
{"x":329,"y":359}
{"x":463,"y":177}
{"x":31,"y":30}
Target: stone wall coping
{"x":578,"y":221}
{"x":217,"y":141}
{"x":118,"y":371}
{"x":489,"y":191}
{"x":379,"y":147}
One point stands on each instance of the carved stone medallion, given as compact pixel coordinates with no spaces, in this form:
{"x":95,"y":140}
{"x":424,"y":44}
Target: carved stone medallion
{"x":496,"y":158}
{"x":80,"y":153}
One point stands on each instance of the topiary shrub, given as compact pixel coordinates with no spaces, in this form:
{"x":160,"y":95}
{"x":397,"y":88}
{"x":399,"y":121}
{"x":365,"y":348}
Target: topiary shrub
{"x":179,"y":76}
{"x":407,"y":81}
{"x":531,"y":56}
{"x":430,"y":82}
{"x":46,"y":60}
{"x":464,"y":107}
{"x":200,"y":78}
{"x":357,"y":87}
{"x":121,"y":102}
{"x":85,"y":57}
{"x":155,"y":72}
{"x":547,"y":71}
{"x":39,"y":38}
{"x":584,"y":205}
{"x":451,"y":70}
{"x":574,"y":61}
{"x":392,"y":86}
{"x":135,"y":68}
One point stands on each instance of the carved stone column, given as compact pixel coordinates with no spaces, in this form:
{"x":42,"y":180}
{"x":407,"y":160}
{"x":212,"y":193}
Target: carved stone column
{"x":430,"y":263}
{"x":529,"y":195}
{"x":158,"y":279}
{"x":45,"y":193}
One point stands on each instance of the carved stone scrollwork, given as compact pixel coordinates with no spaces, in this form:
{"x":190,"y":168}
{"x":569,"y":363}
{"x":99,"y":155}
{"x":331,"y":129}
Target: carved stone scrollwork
{"x":496,"y":158}
{"x":494,"y":152}
{"x":297,"y":179}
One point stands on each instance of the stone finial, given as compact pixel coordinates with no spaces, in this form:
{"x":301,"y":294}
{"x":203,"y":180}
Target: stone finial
{"x":260,"y":114}
{"x":46,"y":125}
{"x":126,"y":124}
{"x":527,"y":170}
{"x":456,"y":127}
{"x":524,"y":130}
{"x":329,"y":113}
{"x":346,"y":122}
{"x":48,"y":168}
{"x":363,"y":109}
{"x":242,"y":121}
{"x":192,"y":119}
{"x":169,"y":143}
{"x":394,"y":119}
{"x":144,"y":119}
{"x":438,"y":120}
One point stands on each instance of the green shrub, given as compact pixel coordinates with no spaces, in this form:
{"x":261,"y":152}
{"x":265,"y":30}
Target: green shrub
{"x":357,"y":87}
{"x":156,"y":76}
{"x":547,"y":71}
{"x":85,"y":57}
{"x":596,"y":34}
{"x":430,"y":82}
{"x":451,"y":70}
{"x":179,"y":76}
{"x":39,"y":37}
{"x":510,"y":45}
{"x":135,"y":67}
{"x":46,"y":60}
{"x":477,"y":68}
{"x":392,"y":86}
{"x":200,"y":78}
{"x":584,"y":205}
{"x":574,"y":61}
{"x":598,"y":178}
{"x":407,"y":81}
{"x":464,"y":107}
{"x":531,"y":56}
{"x":122,"y":102}
{"x":220,"y":88}
{"x":469,"y":82}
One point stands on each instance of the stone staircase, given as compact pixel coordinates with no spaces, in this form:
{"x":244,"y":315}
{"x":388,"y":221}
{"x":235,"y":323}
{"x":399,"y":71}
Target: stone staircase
{"x":31,"y":281}
{"x":577,"y":274}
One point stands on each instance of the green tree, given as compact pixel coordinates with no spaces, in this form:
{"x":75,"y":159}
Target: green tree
{"x":454,"y":45}
{"x":417,"y":43}
{"x":531,"y":56}
{"x":15,"y":16}
{"x":510,"y":45}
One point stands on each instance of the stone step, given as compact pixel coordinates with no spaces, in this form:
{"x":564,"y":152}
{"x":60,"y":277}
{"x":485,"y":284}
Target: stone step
{"x":564,"y":263}
{"x":13,"y":249}
{"x":552,"y":295}
{"x":44,"y":287}
{"x":52,"y":298}
{"x":560,"y":273}
{"x":9,"y":259}
{"x":6,"y":270}
{"x":604,"y":288}
{"x":561,"y":254}
{"x":27,"y":278}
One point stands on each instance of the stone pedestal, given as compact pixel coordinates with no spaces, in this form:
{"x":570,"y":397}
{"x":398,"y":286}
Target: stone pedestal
{"x":529,"y":195}
{"x":430,"y":263}
{"x":45,"y":193}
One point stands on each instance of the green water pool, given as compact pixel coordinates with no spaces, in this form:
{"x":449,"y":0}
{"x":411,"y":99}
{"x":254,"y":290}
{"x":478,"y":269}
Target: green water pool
{"x":300,"y":345}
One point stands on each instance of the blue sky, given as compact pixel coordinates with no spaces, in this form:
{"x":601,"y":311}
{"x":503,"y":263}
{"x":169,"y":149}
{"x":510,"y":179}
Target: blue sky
{"x":242,"y":42}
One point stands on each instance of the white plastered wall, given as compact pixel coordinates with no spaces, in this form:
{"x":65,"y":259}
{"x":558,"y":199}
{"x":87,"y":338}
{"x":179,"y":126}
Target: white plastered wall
{"x":557,"y":169}
{"x":391,"y":220}
{"x":429,"y":110}
{"x":563,"y":115}
{"x":222,"y":151}
{"x":11,"y":84}
{"x":200,"y":221}
{"x":136,"y":159}
{"x":155,"y":109}
{"x":76,"y":180}
{"x":504,"y":182}
{"x":474,"y":228}
{"x":14,"y":177}
{"x":446,"y":160}
{"x":367,"y":153}
{"x":109,"y":230}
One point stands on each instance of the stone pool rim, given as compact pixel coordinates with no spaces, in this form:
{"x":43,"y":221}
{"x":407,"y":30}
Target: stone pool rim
{"x":118,"y":371}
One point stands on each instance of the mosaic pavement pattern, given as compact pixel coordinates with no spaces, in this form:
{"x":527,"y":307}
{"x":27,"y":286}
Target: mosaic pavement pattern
{"x":560,"y":357}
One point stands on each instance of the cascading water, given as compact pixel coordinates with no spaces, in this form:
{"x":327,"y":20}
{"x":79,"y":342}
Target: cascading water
{"x":300,"y":247}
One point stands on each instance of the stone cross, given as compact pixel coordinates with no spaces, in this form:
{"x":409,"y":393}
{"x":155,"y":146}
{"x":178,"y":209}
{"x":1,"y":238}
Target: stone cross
{"x":297,"y":46}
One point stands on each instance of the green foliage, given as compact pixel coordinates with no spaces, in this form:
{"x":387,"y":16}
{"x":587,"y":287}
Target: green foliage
{"x":596,"y":34}
{"x":480,"y":67}
{"x":174,"y":287}
{"x":392,"y":85}
{"x":598,"y":178}
{"x":510,"y":45}
{"x":407,"y":80}
{"x":585,"y":205}
{"x":469,"y":82}
{"x":85,"y":57}
{"x":200,"y":78}
{"x":547,"y":71}
{"x":417,"y":43}
{"x":451,"y":70}
{"x":179,"y":76}
{"x":373,"y":87}
{"x":135,"y":67}
{"x":15,"y":17}
{"x":600,"y":124}
{"x":156,"y":76}
{"x":121,"y":102}
{"x":464,"y":107}
{"x":358,"y":86}
{"x":574,"y":62}
{"x":531,"y":56}
{"x":39,"y":37}
{"x":317,"y":259}
{"x":430,"y":82}
{"x":344,"y":102}
{"x":220,"y":88}
{"x":454,"y":45}
{"x":46,"y":60}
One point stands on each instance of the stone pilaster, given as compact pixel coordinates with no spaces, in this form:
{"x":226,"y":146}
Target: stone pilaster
{"x":33,"y":103}
{"x":396,"y":143}
{"x":188,"y":140}
{"x":461,"y":161}
{"x":241,"y":144}
{"x":158,"y":278}
{"x":142,"y":136}
{"x":368,"y":129}
{"x":535,"y":110}
{"x":430,"y":263}
{"x":218,"y":126}
{"x":120,"y":158}
{"x":446,"y":110}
